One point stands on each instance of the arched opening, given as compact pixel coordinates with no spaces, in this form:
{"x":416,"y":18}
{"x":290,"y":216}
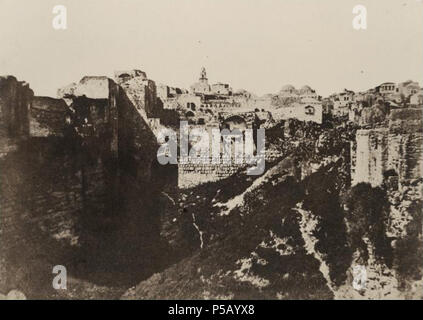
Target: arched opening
{"x":235,"y":122}
{"x":309,"y":110}
{"x":189,"y":114}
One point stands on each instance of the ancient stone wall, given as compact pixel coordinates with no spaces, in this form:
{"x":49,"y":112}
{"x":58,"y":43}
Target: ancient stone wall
{"x":394,"y":150}
{"x":48,"y":191}
{"x":137,"y":141}
{"x":15,"y":100}
{"x":81,"y":184}
{"x":47,"y":117}
{"x":145,"y":186}
{"x":141,"y":92}
{"x":193,"y":174}
{"x":58,"y":186}
{"x":371,"y":156}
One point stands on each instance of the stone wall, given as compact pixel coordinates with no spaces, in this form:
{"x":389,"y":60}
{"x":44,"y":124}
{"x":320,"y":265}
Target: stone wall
{"x":371,"y":156}
{"x":139,"y":122}
{"x":140,"y":91}
{"x":194,"y":174}
{"x":47,"y":117}
{"x":57,"y":185}
{"x":393,"y":150}
{"x":80,"y":182}
{"x":191,"y":175}
{"x":15,"y":100}
{"x":60,"y":185}
{"x":48,"y":192}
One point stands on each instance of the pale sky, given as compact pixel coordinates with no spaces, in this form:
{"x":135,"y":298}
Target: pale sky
{"x":258,"y":45}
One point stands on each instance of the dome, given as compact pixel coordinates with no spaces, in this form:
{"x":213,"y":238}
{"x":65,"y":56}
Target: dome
{"x":306,"y":89}
{"x":288,"y":87}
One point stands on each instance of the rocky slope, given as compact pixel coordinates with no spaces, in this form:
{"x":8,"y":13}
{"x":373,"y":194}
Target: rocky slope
{"x":293,"y":233}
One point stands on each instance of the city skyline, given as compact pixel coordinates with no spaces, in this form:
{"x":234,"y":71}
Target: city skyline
{"x":256,"y":47}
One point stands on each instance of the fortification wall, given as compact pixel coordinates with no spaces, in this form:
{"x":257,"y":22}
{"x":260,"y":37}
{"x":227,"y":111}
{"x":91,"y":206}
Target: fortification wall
{"x":56,"y":187}
{"x":15,"y":100}
{"x":193,"y":174}
{"x":47,"y":117}
{"x":80,"y":182}
{"x":371,"y":156}
{"x":395,"y":150}
{"x":47,"y":195}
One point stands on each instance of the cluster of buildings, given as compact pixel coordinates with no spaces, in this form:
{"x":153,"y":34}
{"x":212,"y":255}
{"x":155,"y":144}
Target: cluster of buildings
{"x":204,"y":103}
{"x":203,"y":88}
{"x":302,"y":104}
{"x":398,"y":92}
{"x":201,"y":93}
{"x":388,"y":94}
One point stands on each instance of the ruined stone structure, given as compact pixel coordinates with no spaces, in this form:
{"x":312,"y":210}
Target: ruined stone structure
{"x":15,"y":101}
{"x":394,"y":150}
{"x":48,"y":117}
{"x":371,"y":156}
{"x":194,"y":174}
{"x":60,"y":175}
{"x":74,"y":172}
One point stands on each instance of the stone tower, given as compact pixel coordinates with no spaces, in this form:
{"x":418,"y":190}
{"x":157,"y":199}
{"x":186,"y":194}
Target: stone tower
{"x":203,"y":75}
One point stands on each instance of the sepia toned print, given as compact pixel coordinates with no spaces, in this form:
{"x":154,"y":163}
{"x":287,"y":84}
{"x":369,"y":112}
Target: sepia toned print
{"x":211,"y":150}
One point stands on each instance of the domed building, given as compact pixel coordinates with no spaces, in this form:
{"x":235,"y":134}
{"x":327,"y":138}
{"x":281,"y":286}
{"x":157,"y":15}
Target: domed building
{"x":288,"y":90}
{"x":307,"y":92}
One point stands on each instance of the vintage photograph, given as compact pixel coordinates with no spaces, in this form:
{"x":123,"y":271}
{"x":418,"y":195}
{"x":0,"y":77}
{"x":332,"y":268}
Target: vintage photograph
{"x":211,"y":150}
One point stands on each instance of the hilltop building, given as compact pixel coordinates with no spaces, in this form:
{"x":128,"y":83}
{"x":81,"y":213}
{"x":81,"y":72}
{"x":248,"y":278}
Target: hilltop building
{"x":289,"y":91}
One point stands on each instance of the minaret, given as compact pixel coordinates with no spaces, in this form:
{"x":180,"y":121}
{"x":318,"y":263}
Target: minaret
{"x":203,"y":75}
